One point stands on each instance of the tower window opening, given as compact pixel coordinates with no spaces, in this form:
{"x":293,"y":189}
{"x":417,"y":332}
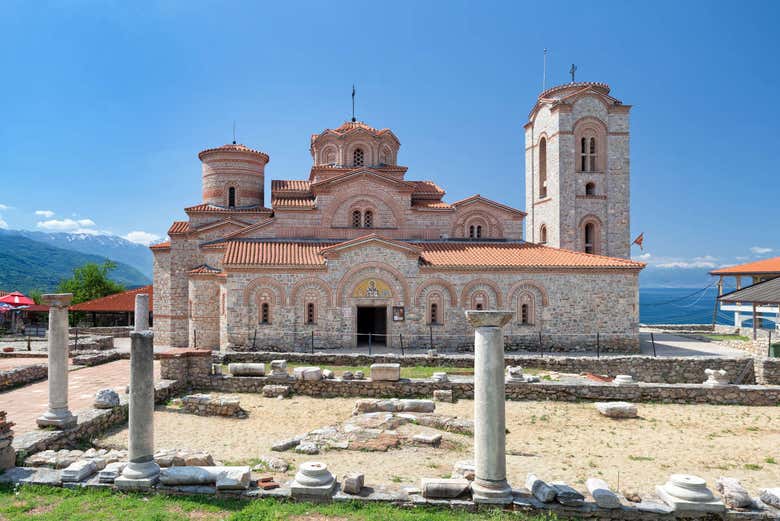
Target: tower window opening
{"x":543,"y":234}
{"x":588,"y":154}
{"x":357,"y":157}
{"x":542,"y":168}
{"x":310,"y":316}
{"x":590,"y":232}
{"x":590,"y":189}
{"x":524,"y":314}
{"x":232,"y":197}
{"x":265,"y":313}
{"x":434,"y":313}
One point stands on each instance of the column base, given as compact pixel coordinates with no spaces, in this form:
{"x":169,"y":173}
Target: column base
{"x":491,"y":493}
{"x":58,"y":420}
{"x":124,"y":483}
{"x":141,"y":470}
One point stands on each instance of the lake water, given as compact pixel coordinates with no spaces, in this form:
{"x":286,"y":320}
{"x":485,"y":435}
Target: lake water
{"x":680,"y":306}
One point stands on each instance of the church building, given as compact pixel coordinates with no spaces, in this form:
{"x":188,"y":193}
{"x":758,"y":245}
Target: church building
{"x":359,"y":253}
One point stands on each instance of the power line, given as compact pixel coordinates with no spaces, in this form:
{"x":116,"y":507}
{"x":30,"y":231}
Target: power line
{"x":681,"y":298}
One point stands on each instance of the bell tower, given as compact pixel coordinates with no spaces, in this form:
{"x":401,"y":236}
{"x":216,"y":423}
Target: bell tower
{"x":577,"y":170}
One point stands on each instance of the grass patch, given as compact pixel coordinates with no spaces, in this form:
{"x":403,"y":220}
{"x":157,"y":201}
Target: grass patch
{"x":717,"y":338}
{"x":640,"y":458}
{"x":752,"y":466}
{"x":771,"y":461}
{"x":57,"y":504}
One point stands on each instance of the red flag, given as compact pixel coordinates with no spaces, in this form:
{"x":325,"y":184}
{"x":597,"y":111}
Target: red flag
{"x":639,"y":240}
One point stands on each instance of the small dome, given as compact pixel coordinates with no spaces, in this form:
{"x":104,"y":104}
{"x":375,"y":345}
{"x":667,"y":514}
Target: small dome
{"x":235,"y":147}
{"x":561,"y":91}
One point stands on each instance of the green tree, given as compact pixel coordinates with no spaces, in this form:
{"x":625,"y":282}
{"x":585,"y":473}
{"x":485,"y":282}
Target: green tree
{"x":90,"y":281}
{"x":35,"y":295}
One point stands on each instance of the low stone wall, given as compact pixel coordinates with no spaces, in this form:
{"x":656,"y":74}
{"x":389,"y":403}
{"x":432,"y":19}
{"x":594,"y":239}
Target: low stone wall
{"x":91,"y":343}
{"x":208,"y":405}
{"x":95,"y":358}
{"x":768,"y":371}
{"x":642,"y":368}
{"x":23,"y":375}
{"x":666,"y":393}
{"x":115,"y":331}
{"x":190,"y":367}
{"x":91,"y":423}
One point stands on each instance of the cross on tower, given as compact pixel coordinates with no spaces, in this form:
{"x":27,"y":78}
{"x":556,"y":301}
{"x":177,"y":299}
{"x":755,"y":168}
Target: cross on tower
{"x":572,"y":71}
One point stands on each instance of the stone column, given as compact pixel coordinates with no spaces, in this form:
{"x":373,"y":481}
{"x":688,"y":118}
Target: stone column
{"x":142,"y":471}
{"x":489,"y":485}
{"x":141,"y":315}
{"x":58,"y":414}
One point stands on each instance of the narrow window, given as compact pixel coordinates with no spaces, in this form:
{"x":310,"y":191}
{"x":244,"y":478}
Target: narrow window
{"x":357,"y":157}
{"x":590,"y":230}
{"x":524,"y":314}
{"x":265,"y":313}
{"x":590,"y":189}
{"x":479,"y":306}
{"x":471,"y":231}
{"x":592,"y":154}
{"x":434,"y":313}
{"x":368,"y":219}
{"x":356,"y":218}
{"x":479,"y":232}
{"x":232,"y":197}
{"x":583,"y":155}
{"x":310,"y":313}
{"x":542,"y":168}
{"x":543,"y":234}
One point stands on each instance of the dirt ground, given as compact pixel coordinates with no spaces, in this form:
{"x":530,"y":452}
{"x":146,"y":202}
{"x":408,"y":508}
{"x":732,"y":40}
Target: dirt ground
{"x":555,"y":440}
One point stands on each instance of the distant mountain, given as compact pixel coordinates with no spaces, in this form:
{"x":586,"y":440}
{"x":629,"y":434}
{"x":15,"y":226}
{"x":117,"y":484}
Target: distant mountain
{"x":26,"y":264}
{"x":112,"y":246}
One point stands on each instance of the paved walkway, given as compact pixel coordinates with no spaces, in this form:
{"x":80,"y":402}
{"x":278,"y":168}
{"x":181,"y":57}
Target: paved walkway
{"x":26,"y":403}
{"x":673,"y":345}
{"x":10,"y":363}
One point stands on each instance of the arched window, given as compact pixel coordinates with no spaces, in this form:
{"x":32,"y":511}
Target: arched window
{"x":525,"y":309}
{"x":434,"y":313}
{"x":265,"y":313}
{"x":543,"y":234}
{"x":357,"y":157}
{"x":479,"y":232}
{"x":588,"y":154}
{"x":232,"y":197}
{"x":479,"y":306}
{"x":356,"y":220}
{"x":542,"y":168}
{"x":471,"y":232}
{"x":590,"y":189}
{"x":368,"y":219}
{"x":524,"y":314}
{"x":590,"y":238}
{"x":310,"y":313}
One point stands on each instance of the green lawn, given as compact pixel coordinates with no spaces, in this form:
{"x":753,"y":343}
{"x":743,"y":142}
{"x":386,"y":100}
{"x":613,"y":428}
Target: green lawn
{"x":417,"y":371}
{"x":716,"y":338}
{"x":52,"y":504}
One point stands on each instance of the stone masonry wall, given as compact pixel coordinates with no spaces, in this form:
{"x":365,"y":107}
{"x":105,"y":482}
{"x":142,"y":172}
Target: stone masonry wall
{"x":768,"y":371}
{"x":642,"y":368}
{"x":22,"y":375}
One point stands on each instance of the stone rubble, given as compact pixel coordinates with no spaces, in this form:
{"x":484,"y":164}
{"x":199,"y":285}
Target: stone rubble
{"x":433,"y":440}
{"x":111,"y":472}
{"x":443,"y":395}
{"x":247,"y":369}
{"x":733,"y":493}
{"x":624,"y":379}
{"x":352,"y":483}
{"x":359,"y":375}
{"x":393,"y":405}
{"x":771,"y":496}
{"x":602,"y":494}
{"x":182,"y":458}
{"x":208,"y":405}
{"x":385,"y":372}
{"x":514,"y":374}
{"x":541,"y":490}
{"x":279,"y":369}
{"x":106,"y":399}
{"x":309,"y":374}
{"x":617,"y":409}
{"x":716,"y":378}
{"x":7,"y":452}
{"x":79,"y":471}
{"x":464,"y":469}
{"x":440,"y":378}
{"x":567,"y":496}
{"x":273,"y":463}
{"x":274,"y":391}
{"x":443,"y":488}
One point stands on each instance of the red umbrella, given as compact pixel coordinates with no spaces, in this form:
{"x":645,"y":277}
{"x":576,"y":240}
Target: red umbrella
{"x":17,"y":299}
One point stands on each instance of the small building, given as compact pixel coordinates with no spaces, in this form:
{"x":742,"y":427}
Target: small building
{"x":764,"y":294}
{"x":757,"y":271}
{"x":114,"y":310}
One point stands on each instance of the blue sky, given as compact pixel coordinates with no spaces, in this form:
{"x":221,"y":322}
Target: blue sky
{"x":105,"y":106}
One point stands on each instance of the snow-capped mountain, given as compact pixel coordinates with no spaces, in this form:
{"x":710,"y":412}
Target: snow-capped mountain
{"x":111,"y":246}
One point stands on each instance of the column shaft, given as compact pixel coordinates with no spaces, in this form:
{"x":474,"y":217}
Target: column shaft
{"x":58,"y":414}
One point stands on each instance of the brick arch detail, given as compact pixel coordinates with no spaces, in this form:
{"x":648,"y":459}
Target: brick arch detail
{"x":436,"y":282}
{"x":496,"y":231}
{"x":321,"y":285}
{"x":266,"y":282}
{"x":349,"y":199}
{"x":466,"y":292}
{"x":524,"y":285}
{"x":348,"y":280}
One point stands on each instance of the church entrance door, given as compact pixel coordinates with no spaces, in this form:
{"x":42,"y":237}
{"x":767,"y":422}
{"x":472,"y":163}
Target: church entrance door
{"x":372,"y":320}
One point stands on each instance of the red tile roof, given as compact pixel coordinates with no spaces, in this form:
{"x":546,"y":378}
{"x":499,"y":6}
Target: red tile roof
{"x":161,"y":246}
{"x":513,"y":255}
{"x":426,"y":189}
{"x":444,"y":255}
{"x":232,"y":148}
{"x":274,"y":253}
{"x":204,"y":269}
{"x":292,"y":202}
{"x":290,"y":185}
{"x":210,"y":208}
{"x":479,"y":198}
{"x":179,"y":227}
{"x":751,"y":268}
{"x":431,"y":205}
{"x":124,"y":301}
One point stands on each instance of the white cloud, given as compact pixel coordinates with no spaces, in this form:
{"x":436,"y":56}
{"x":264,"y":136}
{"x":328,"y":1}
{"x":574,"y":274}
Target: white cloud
{"x":3,"y":224}
{"x":47,"y":214}
{"x":705,"y":262}
{"x":759,"y":250}
{"x":644,"y":256}
{"x":140,"y":237}
{"x":4,"y":207}
{"x":69,"y":225}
